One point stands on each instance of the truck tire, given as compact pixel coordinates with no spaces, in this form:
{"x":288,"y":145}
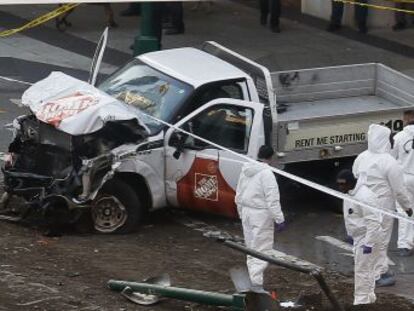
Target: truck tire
{"x":117,"y":208}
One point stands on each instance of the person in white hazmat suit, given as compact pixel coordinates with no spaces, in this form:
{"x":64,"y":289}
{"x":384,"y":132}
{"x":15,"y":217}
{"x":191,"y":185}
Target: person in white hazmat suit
{"x":381,"y":173}
{"x":363,"y":226}
{"x":403,"y":151}
{"x":258,"y":205}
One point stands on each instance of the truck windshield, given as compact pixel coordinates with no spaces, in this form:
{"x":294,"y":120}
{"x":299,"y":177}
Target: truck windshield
{"x":149,"y":90}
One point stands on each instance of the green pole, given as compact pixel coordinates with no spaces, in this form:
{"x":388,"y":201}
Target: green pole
{"x":147,"y":40}
{"x":236,"y":302}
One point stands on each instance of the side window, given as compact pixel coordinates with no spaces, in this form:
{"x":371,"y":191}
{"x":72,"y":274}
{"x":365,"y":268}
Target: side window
{"x":214,"y":91}
{"x":228,"y":126}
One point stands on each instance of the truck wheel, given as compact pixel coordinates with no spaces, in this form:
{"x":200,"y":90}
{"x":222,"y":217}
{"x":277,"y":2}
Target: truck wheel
{"x":116,"y":209}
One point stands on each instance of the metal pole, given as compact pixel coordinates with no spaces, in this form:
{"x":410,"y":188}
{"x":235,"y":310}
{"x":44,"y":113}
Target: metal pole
{"x":324,"y":286}
{"x":270,"y":259}
{"x":237,"y":301}
{"x":316,"y":273}
{"x":147,"y":40}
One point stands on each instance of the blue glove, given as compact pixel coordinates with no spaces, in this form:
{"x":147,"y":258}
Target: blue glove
{"x":280,"y":227}
{"x":366,"y":249}
{"x":349,"y":240}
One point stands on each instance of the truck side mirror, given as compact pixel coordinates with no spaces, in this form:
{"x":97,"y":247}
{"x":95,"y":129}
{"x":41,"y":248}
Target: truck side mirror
{"x":177,"y":140}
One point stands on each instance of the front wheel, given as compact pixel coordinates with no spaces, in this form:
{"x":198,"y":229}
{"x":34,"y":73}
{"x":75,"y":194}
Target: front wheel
{"x":117,"y":208}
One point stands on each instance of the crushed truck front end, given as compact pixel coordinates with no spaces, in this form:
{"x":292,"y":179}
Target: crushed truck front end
{"x":65,"y":150}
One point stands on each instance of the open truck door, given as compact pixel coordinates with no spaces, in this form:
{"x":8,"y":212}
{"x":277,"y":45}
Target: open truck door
{"x":199,"y":175}
{"x":97,"y":57}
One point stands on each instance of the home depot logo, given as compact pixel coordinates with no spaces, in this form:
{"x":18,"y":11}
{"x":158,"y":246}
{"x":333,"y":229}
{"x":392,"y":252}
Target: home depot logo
{"x":55,"y":111}
{"x":206,"y":187}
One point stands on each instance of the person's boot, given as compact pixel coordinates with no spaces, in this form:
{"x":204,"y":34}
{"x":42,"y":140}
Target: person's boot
{"x":362,"y":29}
{"x":275,"y":28}
{"x":399,"y":26}
{"x":132,"y":10}
{"x":388,"y":274}
{"x":174,"y":31}
{"x":405,"y":252}
{"x":333,"y":27}
{"x":385,"y":281}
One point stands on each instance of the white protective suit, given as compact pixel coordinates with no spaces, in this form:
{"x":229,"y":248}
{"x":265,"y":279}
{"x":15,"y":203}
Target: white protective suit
{"x":404,"y":153}
{"x":365,"y":226}
{"x":381,"y":173}
{"x":258,"y":205}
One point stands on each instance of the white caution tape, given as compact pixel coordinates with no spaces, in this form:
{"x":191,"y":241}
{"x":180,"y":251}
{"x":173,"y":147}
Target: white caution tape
{"x":293,"y":177}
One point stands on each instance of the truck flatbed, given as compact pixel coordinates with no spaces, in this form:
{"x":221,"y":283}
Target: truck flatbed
{"x":325,"y":112}
{"x":334,"y":107}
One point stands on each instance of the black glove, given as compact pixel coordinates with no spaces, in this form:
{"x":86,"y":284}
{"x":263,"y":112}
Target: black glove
{"x":409,"y":212}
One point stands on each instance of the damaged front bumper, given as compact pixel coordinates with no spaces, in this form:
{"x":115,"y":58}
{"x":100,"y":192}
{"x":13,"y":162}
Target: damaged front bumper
{"x":51,"y":169}
{"x":77,"y":189}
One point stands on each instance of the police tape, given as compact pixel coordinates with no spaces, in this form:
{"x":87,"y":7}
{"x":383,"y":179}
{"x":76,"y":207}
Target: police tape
{"x":379,"y":7}
{"x":280,"y":172}
{"x":290,"y":176}
{"x":40,"y":20}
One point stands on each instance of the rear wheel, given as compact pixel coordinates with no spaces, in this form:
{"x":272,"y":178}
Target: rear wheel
{"x":117,"y":208}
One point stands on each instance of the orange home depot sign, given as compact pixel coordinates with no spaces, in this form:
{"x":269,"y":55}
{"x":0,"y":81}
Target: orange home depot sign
{"x":54,"y":111}
{"x":205,"y":189}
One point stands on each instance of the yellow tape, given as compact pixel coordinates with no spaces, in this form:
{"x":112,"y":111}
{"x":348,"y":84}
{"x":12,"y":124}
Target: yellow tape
{"x":374,"y":6}
{"x":401,"y":1}
{"x":40,"y":20}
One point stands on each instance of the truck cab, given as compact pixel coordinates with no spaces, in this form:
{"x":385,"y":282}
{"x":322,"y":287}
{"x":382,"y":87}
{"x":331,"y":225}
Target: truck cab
{"x":206,"y":96}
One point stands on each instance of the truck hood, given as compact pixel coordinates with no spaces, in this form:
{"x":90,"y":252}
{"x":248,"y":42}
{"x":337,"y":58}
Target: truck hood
{"x":74,"y":106}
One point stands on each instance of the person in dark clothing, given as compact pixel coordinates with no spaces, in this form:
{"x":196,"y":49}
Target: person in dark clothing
{"x":272,"y":7}
{"x":134,"y":9}
{"x":175,"y":13}
{"x":400,"y":17}
{"x":361,"y":13}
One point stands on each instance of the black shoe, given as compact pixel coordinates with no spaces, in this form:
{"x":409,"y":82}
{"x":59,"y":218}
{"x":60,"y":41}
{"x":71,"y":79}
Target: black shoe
{"x":275,"y":28}
{"x":333,"y":27}
{"x":399,"y":26}
{"x":405,"y":252}
{"x":263,"y":20}
{"x":362,"y":29}
{"x":130,"y":12}
{"x":385,"y":282}
{"x":52,"y":232}
{"x":173,"y":31}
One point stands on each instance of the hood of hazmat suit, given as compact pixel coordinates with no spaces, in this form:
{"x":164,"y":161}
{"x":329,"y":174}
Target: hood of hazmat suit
{"x":257,"y":188}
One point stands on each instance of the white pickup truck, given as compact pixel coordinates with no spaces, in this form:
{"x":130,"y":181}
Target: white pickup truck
{"x":316,"y":119}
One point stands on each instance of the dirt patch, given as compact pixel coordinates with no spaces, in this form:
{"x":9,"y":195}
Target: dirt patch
{"x":71,"y":272}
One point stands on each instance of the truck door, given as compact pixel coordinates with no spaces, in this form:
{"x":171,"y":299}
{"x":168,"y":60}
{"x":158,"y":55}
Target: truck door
{"x":200,"y":176}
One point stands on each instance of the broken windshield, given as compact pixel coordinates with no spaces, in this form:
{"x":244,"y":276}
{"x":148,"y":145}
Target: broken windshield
{"x":149,"y":90}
